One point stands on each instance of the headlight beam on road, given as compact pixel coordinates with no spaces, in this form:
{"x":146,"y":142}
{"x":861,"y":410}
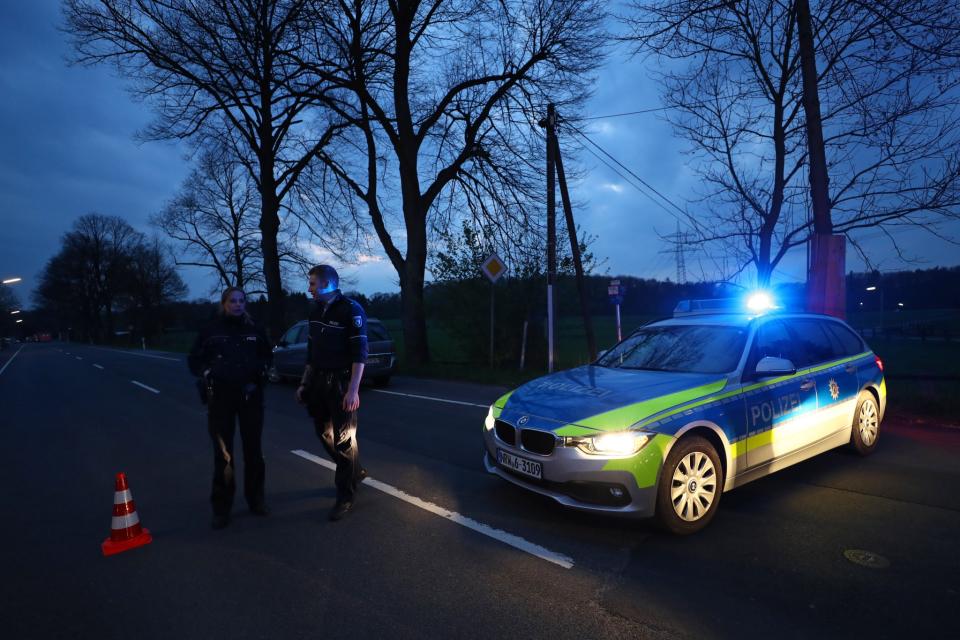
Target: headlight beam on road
{"x":507,"y":538}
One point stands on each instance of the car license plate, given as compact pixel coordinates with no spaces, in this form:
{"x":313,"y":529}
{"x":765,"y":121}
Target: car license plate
{"x":527,"y":467}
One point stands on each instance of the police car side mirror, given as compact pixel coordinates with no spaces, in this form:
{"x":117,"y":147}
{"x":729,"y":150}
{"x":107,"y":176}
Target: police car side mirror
{"x":770,"y":367}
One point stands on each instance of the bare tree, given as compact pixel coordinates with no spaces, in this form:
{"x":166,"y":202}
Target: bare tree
{"x":91,"y":273}
{"x":152,"y":282}
{"x":888,"y":83}
{"x":219,"y":68}
{"x":215,"y":219}
{"x":105,"y":247}
{"x":443,"y":97}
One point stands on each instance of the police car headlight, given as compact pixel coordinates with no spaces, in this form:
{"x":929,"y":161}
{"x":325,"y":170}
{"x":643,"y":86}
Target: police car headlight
{"x":488,"y":423}
{"x":621,"y":443}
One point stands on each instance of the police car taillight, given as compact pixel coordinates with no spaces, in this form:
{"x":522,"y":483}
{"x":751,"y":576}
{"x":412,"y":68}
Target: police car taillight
{"x":879,"y":362}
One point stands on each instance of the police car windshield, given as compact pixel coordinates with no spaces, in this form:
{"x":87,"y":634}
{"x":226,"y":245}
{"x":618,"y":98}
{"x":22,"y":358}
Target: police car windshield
{"x":680,"y":349}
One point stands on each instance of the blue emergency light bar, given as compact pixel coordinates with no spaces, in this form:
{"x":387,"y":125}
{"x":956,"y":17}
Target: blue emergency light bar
{"x":755,"y":303}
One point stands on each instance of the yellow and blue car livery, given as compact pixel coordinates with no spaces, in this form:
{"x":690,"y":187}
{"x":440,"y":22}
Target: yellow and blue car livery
{"x":763,"y":392}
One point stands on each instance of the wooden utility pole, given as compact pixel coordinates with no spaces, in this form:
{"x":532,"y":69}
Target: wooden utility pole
{"x":825,"y":272}
{"x":575,"y":250}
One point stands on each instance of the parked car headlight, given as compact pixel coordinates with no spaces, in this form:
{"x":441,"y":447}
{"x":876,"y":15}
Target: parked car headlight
{"x":620,"y":443}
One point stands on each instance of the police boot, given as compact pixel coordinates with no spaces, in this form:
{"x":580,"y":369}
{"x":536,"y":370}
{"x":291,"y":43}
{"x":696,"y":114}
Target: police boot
{"x":340,"y":510}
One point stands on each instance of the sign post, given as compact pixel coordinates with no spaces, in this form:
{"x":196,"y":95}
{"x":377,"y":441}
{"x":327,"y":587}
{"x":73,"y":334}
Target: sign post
{"x":615,"y":291}
{"x":493,"y":267}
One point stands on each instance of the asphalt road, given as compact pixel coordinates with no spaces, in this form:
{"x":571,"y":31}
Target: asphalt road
{"x":772,"y":563}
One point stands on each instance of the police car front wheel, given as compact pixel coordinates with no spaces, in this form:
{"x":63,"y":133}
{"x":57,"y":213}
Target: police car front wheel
{"x":691,"y":482}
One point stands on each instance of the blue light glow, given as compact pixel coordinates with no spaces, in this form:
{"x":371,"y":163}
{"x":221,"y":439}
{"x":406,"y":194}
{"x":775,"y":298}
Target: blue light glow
{"x":760,"y":301}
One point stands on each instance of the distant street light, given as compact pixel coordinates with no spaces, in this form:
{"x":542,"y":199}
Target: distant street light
{"x":13,"y":313}
{"x":899,"y":304}
{"x":20,"y":320}
{"x":11,"y":280}
{"x":872,"y":288}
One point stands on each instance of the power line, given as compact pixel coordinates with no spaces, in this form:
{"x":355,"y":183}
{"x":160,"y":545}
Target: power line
{"x":627,"y":169}
{"x":626,"y":179}
{"x":618,"y":115}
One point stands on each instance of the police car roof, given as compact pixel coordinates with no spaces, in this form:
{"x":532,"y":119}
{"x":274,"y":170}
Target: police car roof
{"x":734,"y":319}
{"x":724,"y":319}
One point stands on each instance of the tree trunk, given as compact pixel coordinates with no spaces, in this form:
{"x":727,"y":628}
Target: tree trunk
{"x":108,"y":329}
{"x":825,"y":281}
{"x":820,"y":196}
{"x":411,"y":296}
{"x":269,"y":227}
{"x":764,"y":267}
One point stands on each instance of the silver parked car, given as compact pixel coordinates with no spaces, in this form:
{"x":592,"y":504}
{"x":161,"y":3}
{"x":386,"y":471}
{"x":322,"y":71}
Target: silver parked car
{"x":290,"y":354}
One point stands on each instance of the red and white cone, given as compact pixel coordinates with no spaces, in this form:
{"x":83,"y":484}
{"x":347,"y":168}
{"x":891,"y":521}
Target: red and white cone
{"x":125,"y":529}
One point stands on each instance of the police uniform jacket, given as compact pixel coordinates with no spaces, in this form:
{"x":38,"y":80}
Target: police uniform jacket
{"x":235,"y":351}
{"x":338,"y":334}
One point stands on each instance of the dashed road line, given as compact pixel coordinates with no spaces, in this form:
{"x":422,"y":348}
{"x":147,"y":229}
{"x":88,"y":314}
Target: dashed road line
{"x":98,"y":366}
{"x":78,"y":357}
{"x":507,"y":538}
{"x":140,"y":384}
{"x":413,"y":395}
{"x":134,"y":353}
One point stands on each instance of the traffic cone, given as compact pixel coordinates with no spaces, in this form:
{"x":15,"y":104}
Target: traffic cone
{"x":125,"y":529}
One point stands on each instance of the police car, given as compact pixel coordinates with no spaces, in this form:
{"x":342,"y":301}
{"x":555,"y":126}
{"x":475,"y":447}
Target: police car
{"x":687,"y":408}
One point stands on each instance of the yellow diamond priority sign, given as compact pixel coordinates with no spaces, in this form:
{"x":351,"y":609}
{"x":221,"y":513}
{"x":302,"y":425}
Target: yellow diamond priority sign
{"x":493,"y":267}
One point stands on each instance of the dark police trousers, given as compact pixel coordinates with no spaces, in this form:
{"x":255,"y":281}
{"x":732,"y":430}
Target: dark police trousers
{"x":336,"y":428}
{"x":229,"y":402}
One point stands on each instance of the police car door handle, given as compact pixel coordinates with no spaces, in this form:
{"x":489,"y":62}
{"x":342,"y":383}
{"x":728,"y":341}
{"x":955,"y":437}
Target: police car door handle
{"x":807,"y":385}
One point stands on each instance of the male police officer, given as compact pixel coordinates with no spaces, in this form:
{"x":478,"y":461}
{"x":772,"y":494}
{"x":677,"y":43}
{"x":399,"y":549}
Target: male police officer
{"x":336,"y":353}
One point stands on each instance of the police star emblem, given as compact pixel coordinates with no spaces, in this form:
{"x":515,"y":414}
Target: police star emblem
{"x":834,"y":389}
{"x":358,"y":321}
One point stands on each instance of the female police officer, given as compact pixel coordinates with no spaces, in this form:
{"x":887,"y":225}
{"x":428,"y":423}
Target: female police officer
{"x":230,"y":356}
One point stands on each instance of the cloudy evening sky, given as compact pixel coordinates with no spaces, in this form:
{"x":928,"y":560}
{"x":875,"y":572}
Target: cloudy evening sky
{"x":68,"y":149}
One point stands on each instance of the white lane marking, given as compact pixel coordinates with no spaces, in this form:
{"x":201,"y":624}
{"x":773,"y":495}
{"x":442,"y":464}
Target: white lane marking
{"x":98,"y":366}
{"x":134,"y":353}
{"x":413,"y":395}
{"x":78,"y":357}
{"x":504,"y":537}
{"x":140,"y":384}
{"x":7,"y":363}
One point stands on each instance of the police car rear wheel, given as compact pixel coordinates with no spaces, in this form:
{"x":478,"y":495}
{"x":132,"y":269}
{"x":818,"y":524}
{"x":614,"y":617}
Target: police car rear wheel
{"x":866,"y":424}
{"x":690,"y":486}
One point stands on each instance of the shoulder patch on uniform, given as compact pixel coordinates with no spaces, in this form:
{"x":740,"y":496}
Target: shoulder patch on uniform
{"x":358,"y":321}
